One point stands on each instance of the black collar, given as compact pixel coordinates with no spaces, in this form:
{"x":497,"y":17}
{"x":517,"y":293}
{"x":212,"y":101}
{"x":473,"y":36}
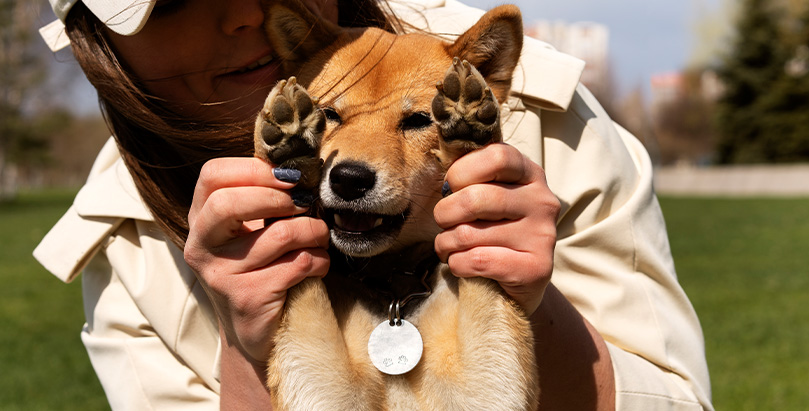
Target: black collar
{"x":394,"y":276}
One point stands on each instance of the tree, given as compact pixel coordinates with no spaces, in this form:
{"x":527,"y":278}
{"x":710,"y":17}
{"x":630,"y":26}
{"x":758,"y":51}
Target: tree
{"x":749,"y":69}
{"x":684,"y":124}
{"x":787,"y":102}
{"x":763,"y":115}
{"x":21,"y":70}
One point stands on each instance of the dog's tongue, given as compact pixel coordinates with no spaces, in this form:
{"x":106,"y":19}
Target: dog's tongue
{"x":356,"y":222}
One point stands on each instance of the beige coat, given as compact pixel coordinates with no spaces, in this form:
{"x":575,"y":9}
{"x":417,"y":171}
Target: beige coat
{"x":152,"y":335}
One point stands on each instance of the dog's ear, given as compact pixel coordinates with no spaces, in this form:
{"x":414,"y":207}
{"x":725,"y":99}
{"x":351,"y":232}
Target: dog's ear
{"x":493,"y":45}
{"x":295,"y":33}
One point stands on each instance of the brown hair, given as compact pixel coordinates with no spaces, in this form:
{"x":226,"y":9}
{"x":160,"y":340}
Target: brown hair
{"x":163,"y":152}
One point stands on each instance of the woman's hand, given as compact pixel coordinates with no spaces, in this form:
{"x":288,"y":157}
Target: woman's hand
{"x":499,"y":222}
{"x":245,"y":267}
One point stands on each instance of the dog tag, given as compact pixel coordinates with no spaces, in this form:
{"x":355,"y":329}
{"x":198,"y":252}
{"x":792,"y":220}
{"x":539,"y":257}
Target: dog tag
{"x":395,"y":349}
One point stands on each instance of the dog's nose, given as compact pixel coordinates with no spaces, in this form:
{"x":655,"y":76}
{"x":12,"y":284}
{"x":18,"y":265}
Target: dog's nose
{"x":351,"y":181}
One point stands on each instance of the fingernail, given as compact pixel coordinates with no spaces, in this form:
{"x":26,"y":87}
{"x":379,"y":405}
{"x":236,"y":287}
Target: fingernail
{"x":302,"y":198}
{"x":287,"y":175}
{"x":445,"y":190}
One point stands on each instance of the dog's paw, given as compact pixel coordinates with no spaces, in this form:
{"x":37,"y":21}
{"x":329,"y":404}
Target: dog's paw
{"x":289,"y":129}
{"x":466,"y":110}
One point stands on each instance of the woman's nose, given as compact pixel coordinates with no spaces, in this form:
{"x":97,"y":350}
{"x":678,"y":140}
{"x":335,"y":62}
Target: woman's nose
{"x":241,"y":14}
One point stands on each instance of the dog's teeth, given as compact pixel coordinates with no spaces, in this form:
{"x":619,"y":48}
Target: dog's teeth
{"x":265,"y":60}
{"x":338,"y":220}
{"x":378,"y":222}
{"x":261,"y":62}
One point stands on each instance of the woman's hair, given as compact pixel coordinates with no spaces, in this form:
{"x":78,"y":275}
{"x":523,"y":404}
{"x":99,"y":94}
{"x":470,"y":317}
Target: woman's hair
{"x":164,"y":152}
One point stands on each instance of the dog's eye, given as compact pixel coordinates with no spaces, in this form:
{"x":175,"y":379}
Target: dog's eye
{"x":331,"y":114}
{"x":416,"y":121}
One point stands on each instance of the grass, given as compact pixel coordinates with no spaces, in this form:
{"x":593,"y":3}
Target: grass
{"x":743,"y":264}
{"x":43,"y":362}
{"x":740,"y":260}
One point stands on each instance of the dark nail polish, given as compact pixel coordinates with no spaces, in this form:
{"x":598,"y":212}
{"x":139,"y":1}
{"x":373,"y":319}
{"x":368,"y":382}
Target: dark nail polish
{"x":287,"y":175}
{"x":302,"y":198}
{"x":445,"y":190}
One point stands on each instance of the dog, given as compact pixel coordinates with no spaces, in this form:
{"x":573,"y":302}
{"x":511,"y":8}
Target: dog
{"x":373,"y":120}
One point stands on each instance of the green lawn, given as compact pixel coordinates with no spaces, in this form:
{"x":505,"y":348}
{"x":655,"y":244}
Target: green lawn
{"x":44,"y":365}
{"x":742,"y":262}
{"x":745,"y":266}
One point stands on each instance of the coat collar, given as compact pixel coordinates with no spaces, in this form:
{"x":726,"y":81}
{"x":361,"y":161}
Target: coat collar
{"x":110,"y":190}
{"x":108,"y":198}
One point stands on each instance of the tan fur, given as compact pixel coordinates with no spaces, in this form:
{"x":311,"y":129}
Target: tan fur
{"x":478,"y":345}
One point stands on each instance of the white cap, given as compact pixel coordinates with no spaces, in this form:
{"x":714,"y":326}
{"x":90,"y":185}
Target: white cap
{"x":125,"y":17}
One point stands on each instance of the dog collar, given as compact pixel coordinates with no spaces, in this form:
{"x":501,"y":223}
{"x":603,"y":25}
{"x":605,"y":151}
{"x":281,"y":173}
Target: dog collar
{"x":397,"y":278}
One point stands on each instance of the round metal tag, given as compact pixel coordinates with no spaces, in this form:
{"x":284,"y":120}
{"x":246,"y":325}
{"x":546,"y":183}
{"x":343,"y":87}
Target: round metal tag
{"x":395,"y":349}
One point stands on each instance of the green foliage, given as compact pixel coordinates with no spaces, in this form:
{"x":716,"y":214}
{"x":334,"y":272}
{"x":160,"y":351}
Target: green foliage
{"x":45,"y":366}
{"x":762,"y":115}
{"x":21,"y":70}
{"x":742,"y":263}
{"x":29,"y":137}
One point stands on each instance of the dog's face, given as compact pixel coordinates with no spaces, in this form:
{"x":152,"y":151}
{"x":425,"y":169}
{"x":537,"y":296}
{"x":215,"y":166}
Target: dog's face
{"x":381,"y":178}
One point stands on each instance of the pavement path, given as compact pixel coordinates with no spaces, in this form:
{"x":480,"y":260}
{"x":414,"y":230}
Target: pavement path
{"x":747,"y":181}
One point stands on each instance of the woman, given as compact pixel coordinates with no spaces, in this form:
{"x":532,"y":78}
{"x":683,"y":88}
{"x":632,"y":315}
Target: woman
{"x":183,"y":291}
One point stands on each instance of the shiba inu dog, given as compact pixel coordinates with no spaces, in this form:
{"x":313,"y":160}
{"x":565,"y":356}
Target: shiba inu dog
{"x":373,"y":120}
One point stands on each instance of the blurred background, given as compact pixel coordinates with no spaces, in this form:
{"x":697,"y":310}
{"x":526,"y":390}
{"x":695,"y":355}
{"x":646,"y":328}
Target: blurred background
{"x":717,"y":90}
{"x":703,"y":83}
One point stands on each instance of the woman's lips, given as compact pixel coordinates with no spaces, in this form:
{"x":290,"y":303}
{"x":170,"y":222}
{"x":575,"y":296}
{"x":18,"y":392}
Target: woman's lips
{"x":265,"y":70}
{"x":258,"y":63}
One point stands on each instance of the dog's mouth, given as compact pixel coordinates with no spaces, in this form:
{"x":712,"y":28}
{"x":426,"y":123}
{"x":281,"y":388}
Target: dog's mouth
{"x":358,"y":223}
{"x":363,"y":234}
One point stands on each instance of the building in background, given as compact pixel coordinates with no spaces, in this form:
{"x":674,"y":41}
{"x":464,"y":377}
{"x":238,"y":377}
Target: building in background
{"x":667,"y":88}
{"x":674,"y":120}
{"x":585,"y":40}
{"x":682,"y":113}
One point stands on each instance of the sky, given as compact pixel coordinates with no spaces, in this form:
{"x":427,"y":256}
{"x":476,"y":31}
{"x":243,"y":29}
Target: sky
{"x":646,"y":36}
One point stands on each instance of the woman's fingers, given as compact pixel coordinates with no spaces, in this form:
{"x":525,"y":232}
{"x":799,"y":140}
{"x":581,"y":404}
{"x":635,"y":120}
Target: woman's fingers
{"x":491,"y":234}
{"x":522,"y":275}
{"x":222,"y":217}
{"x":245,"y":267}
{"x":297,"y":265}
{"x":495,"y":201}
{"x":260,"y":248}
{"x":494,"y":163}
{"x":247,"y":292}
{"x":221,"y":173}
{"x":499,"y":222}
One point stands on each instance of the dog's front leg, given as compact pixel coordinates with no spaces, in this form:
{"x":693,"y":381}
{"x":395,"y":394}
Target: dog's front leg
{"x":495,"y":364}
{"x":310,"y":366}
